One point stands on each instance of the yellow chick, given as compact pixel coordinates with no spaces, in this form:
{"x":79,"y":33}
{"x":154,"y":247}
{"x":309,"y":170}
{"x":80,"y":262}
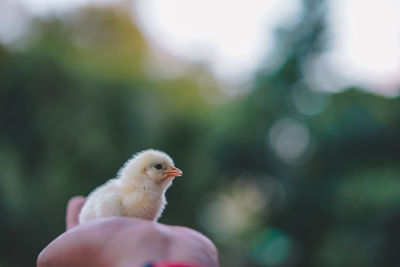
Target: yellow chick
{"x":138,"y":191}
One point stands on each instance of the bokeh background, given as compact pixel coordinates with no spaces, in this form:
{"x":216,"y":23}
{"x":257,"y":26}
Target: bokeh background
{"x":291,"y":160}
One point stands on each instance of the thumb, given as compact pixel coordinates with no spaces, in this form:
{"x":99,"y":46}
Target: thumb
{"x":74,"y":207}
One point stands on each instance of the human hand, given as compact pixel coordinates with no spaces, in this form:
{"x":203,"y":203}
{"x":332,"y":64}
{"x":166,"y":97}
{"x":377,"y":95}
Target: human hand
{"x":125,"y":242}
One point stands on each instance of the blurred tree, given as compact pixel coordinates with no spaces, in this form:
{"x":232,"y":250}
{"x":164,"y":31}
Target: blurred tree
{"x":336,"y":156}
{"x":74,"y":106}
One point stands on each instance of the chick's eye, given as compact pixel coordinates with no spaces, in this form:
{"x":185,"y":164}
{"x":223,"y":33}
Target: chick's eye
{"x":158,"y":166}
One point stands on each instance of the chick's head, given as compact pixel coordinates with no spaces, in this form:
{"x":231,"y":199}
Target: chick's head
{"x":150,"y":167}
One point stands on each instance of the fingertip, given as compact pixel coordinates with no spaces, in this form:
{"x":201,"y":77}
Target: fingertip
{"x":74,"y":207}
{"x":76,"y":199}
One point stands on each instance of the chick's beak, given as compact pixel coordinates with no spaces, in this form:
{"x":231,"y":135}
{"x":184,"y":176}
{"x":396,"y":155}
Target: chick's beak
{"x":173,"y":172}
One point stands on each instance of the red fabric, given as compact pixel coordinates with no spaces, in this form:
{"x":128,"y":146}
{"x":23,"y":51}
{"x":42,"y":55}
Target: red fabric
{"x":173,"y":264}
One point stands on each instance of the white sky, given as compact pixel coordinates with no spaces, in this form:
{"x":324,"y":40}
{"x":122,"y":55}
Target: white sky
{"x":235,"y":37}
{"x":366,"y":43}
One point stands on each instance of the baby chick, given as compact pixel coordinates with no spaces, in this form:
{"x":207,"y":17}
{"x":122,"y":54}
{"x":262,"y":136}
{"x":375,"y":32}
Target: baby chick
{"x":138,"y":191}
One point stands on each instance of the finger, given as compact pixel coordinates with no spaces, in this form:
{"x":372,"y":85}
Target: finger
{"x":74,"y":207}
{"x":190,"y":233}
{"x":209,"y":247}
{"x":81,"y":246}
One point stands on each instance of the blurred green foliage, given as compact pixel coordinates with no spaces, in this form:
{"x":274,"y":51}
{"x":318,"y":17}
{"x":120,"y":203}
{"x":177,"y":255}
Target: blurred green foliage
{"x":281,"y":176}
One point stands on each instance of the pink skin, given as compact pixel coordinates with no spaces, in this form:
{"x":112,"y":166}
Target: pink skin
{"x":122,"y":241}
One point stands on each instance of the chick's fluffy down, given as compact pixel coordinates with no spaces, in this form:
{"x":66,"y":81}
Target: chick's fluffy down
{"x":138,"y":191}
